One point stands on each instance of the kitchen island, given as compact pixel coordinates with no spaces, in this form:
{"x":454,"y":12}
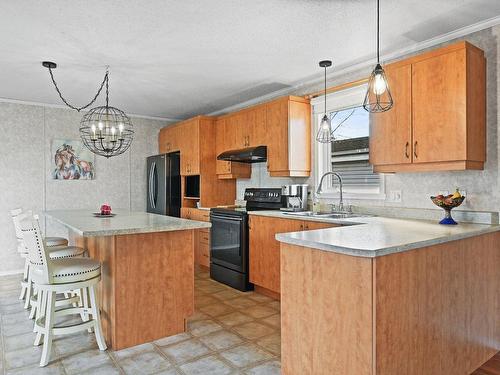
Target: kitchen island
{"x":147,"y":286}
{"x":390,"y":296}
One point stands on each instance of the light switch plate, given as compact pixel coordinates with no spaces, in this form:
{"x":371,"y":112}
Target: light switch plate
{"x":394,"y":196}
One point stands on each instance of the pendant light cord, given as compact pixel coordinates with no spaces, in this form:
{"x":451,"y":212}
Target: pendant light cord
{"x":378,"y":31}
{"x":78,"y":109}
{"x":325,"y":91}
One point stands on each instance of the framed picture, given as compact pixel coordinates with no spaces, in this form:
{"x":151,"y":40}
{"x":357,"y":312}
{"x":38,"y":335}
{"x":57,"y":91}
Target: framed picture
{"x":71,"y":160}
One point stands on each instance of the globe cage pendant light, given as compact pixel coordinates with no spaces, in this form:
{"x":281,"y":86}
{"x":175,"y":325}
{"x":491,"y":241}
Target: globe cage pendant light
{"x":106,"y":131}
{"x":378,"y":97}
{"x":325,"y":134}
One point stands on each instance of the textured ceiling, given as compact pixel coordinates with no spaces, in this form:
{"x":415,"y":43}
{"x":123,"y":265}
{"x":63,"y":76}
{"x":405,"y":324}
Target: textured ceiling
{"x":175,"y":59}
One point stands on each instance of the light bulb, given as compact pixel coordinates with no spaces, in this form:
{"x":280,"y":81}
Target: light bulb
{"x":113,"y":130}
{"x":120,"y":127}
{"x":379,"y":84}
{"x":100,"y":125}
{"x":93,"y":128}
{"x":325,"y":124}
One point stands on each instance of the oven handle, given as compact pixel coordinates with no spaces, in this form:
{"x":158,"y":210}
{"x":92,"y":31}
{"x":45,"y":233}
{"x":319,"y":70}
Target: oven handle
{"x":225,"y":218}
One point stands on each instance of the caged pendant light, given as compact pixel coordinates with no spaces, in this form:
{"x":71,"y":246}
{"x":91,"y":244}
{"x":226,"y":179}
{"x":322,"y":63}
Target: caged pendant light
{"x":325,"y":134}
{"x":106,"y":131}
{"x":378,"y":97}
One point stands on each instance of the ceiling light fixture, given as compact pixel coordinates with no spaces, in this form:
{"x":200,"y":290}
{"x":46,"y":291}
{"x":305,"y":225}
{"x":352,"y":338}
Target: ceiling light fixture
{"x":104,"y":130}
{"x":378,"y":97}
{"x":325,"y":134}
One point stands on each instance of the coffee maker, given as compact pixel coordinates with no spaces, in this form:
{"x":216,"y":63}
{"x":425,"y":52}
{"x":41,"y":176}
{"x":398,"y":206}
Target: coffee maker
{"x":295,"y":197}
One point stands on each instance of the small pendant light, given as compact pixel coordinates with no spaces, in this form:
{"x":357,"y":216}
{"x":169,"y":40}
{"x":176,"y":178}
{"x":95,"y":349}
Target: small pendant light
{"x":325,"y":134}
{"x":378,"y":97}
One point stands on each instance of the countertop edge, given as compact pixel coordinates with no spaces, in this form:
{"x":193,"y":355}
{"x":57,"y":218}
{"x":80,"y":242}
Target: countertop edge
{"x":286,"y":238}
{"x":194,"y":224}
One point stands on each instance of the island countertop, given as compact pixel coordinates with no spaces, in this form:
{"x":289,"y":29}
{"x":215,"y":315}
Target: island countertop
{"x":85,"y":224}
{"x":378,"y":236}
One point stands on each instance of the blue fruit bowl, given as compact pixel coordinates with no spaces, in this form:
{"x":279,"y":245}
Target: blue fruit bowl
{"x":447,"y":204}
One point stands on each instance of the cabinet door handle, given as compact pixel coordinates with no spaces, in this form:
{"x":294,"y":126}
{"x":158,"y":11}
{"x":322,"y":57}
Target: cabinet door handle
{"x":406,"y":150}
{"x":415,"y":149}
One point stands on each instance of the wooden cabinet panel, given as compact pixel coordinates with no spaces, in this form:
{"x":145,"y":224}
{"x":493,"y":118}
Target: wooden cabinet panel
{"x":439,"y":108}
{"x":264,"y":249}
{"x":169,"y":139}
{"x":288,"y":132}
{"x":446,"y":112}
{"x":227,"y":169}
{"x":202,"y":236}
{"x":258,"y":136}
{"x":390,"y":132}
{"x":312,"y":225}
{"x":190,"y":151}
{"x":277,"y":135}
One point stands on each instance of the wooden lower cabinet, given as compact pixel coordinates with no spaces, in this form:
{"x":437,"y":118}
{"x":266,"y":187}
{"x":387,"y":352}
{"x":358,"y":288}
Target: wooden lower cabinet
{"x":428,"y":311}
{"x":264,"y":250}
{"x":202,"y":236}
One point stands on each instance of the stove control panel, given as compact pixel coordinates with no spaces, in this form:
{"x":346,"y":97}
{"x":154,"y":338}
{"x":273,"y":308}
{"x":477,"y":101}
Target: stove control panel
{"x":263,"y":195}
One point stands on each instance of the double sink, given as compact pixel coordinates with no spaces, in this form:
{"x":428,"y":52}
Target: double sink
{"x":329,"y":215}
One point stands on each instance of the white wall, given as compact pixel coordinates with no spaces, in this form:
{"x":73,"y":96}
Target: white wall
{"x":483,"y":187}
{"x":26,"y":132}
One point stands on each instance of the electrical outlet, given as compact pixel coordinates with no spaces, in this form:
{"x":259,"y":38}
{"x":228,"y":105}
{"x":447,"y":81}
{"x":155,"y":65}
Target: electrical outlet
{"x":395,"y":196}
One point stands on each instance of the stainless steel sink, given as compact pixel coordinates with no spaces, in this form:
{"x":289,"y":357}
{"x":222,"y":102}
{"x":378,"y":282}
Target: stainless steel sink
{"x":330,"y":215}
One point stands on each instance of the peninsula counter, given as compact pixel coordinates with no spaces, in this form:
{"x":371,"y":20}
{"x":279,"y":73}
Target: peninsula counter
{"x":381,"y":296}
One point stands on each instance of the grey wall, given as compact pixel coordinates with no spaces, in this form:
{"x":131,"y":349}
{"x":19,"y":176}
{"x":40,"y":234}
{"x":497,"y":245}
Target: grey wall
{"x":26,"y":132}
{"x":483,"y":187}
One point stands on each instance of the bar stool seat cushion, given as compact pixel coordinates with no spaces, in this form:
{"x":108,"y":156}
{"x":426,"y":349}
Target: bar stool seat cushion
{"x":55,"y":241}
{"x":59,"y":252}
{"x":70,"y":270}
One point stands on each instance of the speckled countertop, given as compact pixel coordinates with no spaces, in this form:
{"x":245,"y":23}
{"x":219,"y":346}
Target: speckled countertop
{"x":85,"y":224}
{"x":376,"y":236}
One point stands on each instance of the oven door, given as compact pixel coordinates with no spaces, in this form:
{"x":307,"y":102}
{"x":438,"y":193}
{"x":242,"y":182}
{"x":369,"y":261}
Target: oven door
{"x":228,"y":241}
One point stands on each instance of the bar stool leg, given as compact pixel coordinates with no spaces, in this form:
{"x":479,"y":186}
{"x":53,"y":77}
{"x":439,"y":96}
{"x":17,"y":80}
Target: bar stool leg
{"x":29,"y":289}
{"x":24,"y":283}
{"x":39,"y":313}
{"x":49,"y":324}
{"x":97,"y":317}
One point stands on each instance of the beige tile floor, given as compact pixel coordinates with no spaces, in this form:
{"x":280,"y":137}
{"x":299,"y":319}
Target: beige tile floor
{"x":231,"y":333}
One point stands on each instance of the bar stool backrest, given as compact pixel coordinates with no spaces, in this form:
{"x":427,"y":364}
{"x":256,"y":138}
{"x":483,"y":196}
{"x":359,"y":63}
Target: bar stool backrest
{"x":19,"y":235}
{"x":37,"y":252}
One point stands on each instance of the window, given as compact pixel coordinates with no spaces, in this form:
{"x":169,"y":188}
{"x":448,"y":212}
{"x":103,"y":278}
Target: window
{"x":348,"y":154}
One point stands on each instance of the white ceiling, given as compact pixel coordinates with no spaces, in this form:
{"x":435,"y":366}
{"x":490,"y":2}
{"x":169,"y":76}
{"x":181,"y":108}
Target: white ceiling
{"x":175,"y":59}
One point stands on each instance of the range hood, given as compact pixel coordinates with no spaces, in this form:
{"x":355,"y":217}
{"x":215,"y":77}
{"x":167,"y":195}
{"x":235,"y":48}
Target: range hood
{"x":245,"y":155}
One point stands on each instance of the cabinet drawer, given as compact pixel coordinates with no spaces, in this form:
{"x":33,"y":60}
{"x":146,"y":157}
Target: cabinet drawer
{"x":204,"y":252}
{"x":204,"y":237}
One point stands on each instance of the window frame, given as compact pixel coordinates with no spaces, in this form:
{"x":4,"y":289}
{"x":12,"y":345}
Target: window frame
{"x":339,"y":100}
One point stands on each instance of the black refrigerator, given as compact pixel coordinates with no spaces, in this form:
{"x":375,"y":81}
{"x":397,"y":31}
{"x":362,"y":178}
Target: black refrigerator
{"x":164,"y":184}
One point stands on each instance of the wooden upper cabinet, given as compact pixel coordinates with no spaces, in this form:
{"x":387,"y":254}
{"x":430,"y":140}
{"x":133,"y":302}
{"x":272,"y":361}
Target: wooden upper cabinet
{"x":256,"y":126}
{"x":169,"y":139}
{"x":288,"y":137}
{"x":190,"y":148}
{"x":390,"y":134}
{"x":283,"y":125}
{"x":446,"y":107}
{"x":227,"y":169}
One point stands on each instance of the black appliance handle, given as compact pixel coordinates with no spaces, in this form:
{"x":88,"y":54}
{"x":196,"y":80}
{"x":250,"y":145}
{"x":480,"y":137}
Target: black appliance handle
{"x":225,"y":217}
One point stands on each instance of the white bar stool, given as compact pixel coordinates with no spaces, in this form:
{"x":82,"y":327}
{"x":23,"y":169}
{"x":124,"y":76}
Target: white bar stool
{"x":58,"y":248}
{"x":52,"y":276}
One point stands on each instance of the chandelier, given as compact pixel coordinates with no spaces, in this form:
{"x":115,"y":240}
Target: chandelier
{"x":104,"y":130}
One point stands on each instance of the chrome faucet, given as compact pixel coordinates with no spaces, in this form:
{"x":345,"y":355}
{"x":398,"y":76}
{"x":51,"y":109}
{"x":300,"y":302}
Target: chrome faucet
{"x":320,"y":187}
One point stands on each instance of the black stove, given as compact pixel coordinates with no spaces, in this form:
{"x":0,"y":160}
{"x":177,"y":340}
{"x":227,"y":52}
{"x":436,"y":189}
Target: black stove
{"x":229,"y":237}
